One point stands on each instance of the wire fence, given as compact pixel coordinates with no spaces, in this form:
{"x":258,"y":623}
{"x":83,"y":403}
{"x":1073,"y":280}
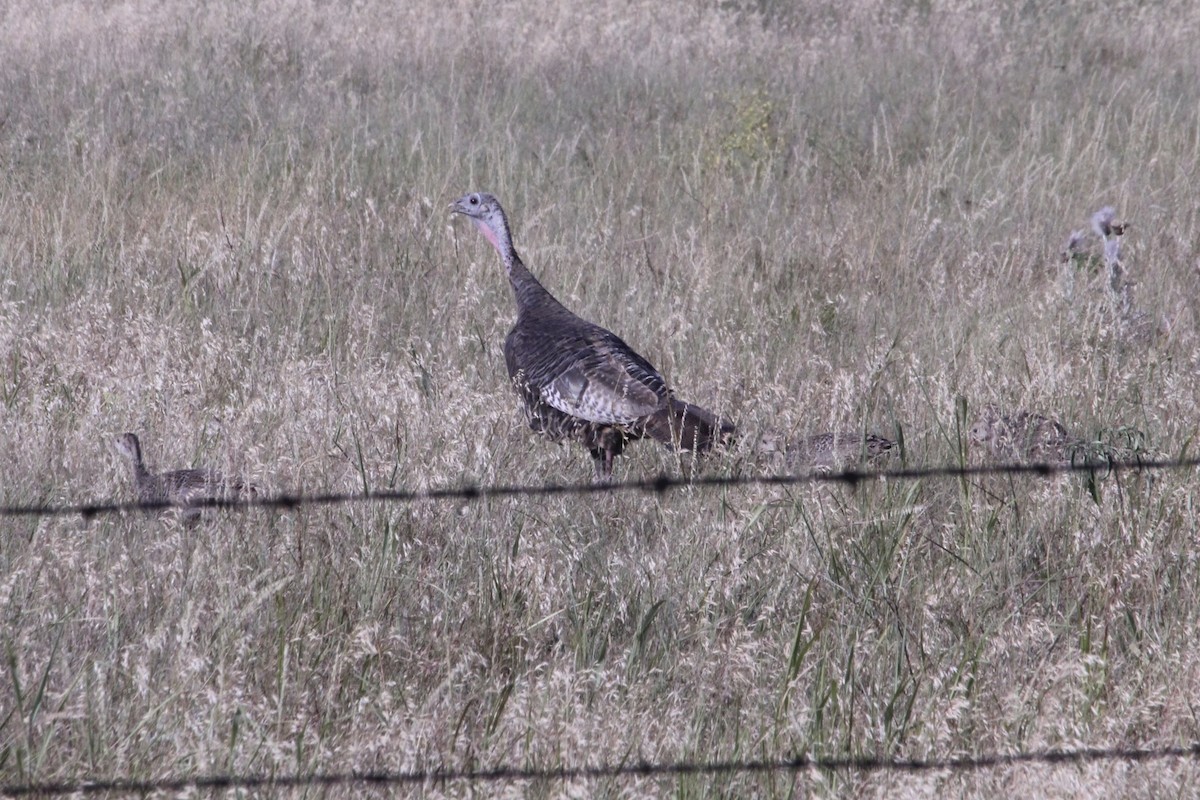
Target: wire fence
{"x":658,"y":485}
{"x":640,"y":769}
{"x":509,"y":774}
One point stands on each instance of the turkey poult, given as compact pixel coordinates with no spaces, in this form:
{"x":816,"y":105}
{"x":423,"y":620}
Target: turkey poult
{"x":1021,"y":436}
{"x":185,"y":487}
{"x":823,"y":452}
{"x":577,"y":380}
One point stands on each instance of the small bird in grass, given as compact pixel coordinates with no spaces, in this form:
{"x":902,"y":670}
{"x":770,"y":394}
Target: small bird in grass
{"x":1098,"y":245}
{"x":1023,"y":436}
{"x":577,"y":380}
{"x":823,"y":452}
{"x":188,"y":488}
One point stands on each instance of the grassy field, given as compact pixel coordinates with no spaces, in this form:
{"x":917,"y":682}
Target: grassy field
{"x":226,"y":228}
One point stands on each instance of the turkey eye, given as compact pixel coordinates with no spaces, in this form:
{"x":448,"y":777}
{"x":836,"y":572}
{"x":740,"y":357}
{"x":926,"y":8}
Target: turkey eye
{"x":474,"y":201}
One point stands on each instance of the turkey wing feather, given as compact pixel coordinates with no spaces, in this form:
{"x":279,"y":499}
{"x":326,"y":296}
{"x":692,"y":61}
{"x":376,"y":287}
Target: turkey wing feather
{"x":592,"y":375}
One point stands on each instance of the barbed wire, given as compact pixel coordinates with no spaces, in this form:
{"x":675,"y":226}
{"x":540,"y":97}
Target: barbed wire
{"x":659,"y":485}
{"x":640,"y":769}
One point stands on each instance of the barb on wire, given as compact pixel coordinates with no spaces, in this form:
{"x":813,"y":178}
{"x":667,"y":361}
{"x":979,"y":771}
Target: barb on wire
{"x":642,"y":769}
{"x":659,"y":485}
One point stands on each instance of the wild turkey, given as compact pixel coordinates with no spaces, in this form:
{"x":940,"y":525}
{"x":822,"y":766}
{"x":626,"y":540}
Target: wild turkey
{"x":1022,"y":436}
{"x":580,"y":381}
{"x":1025,"y":436}
{"x":1107,"y":230}
{"x":184,"y":487}
{"x":823,"y":452}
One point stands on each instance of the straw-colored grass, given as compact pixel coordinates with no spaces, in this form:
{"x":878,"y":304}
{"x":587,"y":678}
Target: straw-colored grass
{"x":224,"y":226}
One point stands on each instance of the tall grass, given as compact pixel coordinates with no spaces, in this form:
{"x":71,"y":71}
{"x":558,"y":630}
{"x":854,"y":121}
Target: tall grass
{"x":225,"y":227}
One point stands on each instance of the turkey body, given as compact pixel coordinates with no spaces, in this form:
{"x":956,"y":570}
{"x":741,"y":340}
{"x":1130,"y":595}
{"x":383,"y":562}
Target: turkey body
{"x":189,"y":488}
{"x":1022,"y":436}
{"x":579,"y":381}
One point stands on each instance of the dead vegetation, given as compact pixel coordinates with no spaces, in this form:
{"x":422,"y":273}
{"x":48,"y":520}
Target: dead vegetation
{"x":229,"y":223}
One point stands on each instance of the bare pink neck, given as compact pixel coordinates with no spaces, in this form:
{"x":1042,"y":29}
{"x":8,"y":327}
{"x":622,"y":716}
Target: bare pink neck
{"x":489,"y":234}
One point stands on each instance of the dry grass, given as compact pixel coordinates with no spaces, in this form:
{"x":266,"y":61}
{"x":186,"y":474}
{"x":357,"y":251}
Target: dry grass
{"x":226,"y":229}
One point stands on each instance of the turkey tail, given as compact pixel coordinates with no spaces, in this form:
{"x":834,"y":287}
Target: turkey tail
{"x":688,"y":427}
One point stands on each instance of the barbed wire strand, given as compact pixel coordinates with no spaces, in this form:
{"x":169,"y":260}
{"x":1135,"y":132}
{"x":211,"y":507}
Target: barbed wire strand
{"x":517,"y":774}
{"x":659,"y":485}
